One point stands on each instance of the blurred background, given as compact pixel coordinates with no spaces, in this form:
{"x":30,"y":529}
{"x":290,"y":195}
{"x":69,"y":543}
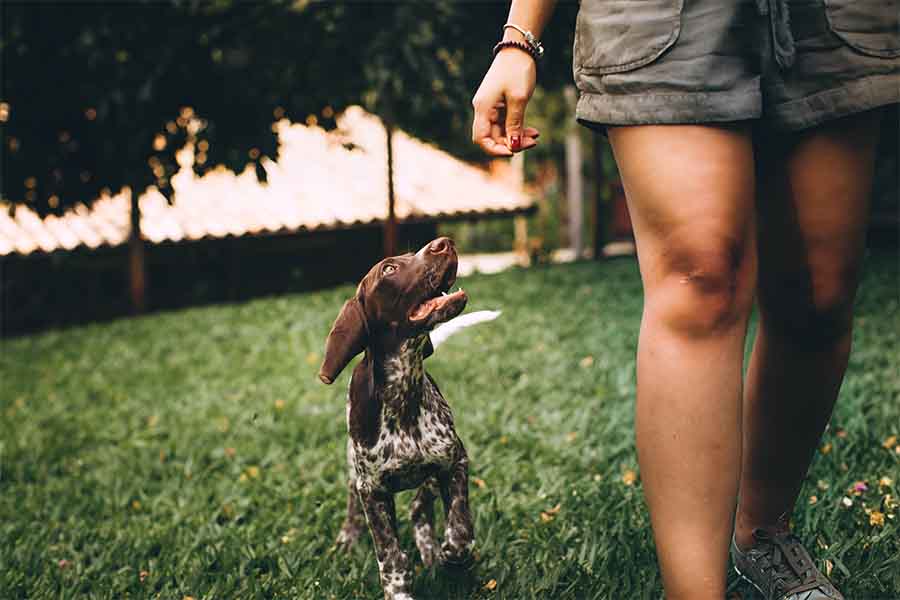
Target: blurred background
{"x":172,"y":153}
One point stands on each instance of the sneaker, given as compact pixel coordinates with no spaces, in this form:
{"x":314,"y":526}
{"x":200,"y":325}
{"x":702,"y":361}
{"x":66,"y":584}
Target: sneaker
{"x":781,"y":569}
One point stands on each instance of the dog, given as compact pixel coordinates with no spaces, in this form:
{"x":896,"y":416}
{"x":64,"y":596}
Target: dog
{"x":401,"y":432}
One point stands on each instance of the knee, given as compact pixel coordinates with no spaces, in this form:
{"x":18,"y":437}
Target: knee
{"x":704,"y":285}
{"x":812,"y":305}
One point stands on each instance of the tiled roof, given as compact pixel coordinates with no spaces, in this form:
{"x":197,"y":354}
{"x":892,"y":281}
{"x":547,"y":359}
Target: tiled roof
{"x":317,"y":183}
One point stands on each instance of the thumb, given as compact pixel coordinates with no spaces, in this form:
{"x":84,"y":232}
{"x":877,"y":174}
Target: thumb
{"x":515,"y":118}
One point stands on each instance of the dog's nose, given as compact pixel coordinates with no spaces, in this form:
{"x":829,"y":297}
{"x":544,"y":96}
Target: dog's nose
{"x":442,"y":245}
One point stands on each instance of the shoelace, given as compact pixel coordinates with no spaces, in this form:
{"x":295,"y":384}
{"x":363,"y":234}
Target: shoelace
{"x":772,"y":558}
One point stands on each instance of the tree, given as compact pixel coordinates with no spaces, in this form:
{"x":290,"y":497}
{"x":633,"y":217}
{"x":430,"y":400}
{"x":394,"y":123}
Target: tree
{"x":99,"y":95}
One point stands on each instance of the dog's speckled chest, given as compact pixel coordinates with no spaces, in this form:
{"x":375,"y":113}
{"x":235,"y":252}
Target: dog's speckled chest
{"x":408,"y":451}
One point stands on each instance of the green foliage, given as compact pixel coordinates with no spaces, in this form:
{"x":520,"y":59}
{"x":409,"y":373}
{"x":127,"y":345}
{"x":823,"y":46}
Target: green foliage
{"x":99,"y":95}
{"x":195,"y":453}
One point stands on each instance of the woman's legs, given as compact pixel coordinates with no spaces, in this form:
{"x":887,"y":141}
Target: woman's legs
{"x":691,"y":196}
{"x":813,"y":205}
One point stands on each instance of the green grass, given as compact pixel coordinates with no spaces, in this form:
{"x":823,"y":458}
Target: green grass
{"x":199,"y":448}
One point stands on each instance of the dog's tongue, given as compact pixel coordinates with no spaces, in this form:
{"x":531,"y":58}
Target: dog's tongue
{"x":427,"y":307}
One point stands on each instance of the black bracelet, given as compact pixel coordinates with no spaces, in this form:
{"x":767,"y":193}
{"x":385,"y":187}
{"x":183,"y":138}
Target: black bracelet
{"x":524,"y":47}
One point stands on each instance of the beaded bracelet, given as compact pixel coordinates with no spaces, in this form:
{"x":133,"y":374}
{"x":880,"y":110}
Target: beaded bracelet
{"x":523,"y":46}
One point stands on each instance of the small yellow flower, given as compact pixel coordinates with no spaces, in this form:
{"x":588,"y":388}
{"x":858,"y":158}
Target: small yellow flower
{"x":504,"y":439}
{"x":629,"y":477}
{"x":550,"y":513}
{"x":826,"y":448}
{"x":479,"y":482}
{"x":253,"y":472}
{"x":813,"y":499}
{"x":885,"y":482}
{"x":279,"y":404}
{"x":890,"y":442}
{"x":491,"y":585}
{"x":136,"y":504}
{"x":586,"y":362}
{"x":876,"y":518}
{"x":571,"y":436}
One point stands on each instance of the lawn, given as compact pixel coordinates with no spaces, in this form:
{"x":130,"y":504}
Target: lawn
{"x":195,"y":453}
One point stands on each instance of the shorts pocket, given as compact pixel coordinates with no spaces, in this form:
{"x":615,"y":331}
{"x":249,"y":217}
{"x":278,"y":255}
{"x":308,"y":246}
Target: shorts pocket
{"x":613,"y":36}
{"x":868,"y":26}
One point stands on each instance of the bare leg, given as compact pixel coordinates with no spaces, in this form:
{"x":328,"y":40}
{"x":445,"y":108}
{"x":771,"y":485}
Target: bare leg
{"x":690,"y":192}
{"x":459,"y":532}
{"x":422,"y":516}
{"x":813,"y":205}
{"x":393,"y":564}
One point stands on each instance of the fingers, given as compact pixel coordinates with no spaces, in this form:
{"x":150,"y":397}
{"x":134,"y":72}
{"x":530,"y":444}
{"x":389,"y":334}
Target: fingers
{"x":515,"y":121}
{"x":486,"y":131}
{"x":499,"y":130}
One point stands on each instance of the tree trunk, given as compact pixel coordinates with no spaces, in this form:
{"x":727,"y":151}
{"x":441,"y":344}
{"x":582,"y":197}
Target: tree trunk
{"x":136,"y":267}
{"x":574,"y":183}
{"x":390,"y":226}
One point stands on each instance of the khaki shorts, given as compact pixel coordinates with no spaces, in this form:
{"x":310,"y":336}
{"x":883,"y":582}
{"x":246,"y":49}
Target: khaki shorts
{"x":791,"y":63}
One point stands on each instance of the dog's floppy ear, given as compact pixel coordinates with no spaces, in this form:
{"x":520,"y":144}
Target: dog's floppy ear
{"x":348,"y":338}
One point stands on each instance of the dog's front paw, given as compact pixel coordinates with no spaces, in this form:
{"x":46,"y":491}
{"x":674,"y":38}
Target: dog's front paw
{"x":460,"y":557}
{"x":425,"y":543}
{"x":429,"y":555}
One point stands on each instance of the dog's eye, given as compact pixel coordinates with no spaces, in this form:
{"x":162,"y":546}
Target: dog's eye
{"x":388,"y":269}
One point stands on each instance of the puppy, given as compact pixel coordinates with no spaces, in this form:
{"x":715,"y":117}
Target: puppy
{"x":401,"y":428}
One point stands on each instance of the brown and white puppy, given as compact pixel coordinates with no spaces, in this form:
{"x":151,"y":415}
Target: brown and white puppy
{"x":401,"y":428}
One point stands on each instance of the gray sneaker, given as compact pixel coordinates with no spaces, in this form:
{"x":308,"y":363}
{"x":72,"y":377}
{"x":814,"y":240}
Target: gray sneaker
{"x":780,"y":568}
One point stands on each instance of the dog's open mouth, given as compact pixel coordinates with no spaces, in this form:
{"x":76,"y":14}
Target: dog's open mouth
{"x":426,"y":308}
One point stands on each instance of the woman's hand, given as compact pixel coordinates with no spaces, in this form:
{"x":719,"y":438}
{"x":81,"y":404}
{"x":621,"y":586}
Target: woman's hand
{"x":500,"y":102}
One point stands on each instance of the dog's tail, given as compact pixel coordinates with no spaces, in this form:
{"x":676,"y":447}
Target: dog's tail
{"x":445,"y":330}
